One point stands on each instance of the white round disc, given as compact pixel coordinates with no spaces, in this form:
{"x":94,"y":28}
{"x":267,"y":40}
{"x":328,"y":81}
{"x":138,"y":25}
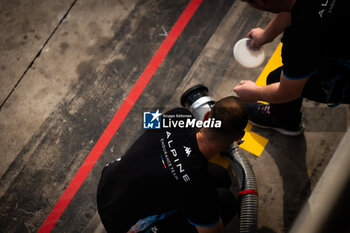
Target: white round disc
{"x":247,"y":56}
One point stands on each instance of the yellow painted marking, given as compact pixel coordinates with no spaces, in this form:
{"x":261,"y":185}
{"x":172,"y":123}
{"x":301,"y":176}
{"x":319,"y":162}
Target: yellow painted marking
{"x":253,"y":142}
{"x":220,"y":160}
{"x":248,"y":127}
{"x":274,"y":62}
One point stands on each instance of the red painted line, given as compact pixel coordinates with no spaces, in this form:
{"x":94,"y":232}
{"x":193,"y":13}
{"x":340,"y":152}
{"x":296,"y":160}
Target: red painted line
{"x":119,"y":117}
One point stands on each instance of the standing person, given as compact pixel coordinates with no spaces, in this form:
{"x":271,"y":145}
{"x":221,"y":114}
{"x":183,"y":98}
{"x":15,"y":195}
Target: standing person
{"x":164,"y":182}
{"x":315,"y":56}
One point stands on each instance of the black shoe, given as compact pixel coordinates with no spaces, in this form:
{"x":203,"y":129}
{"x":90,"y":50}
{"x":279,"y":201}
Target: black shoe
{"x":260,"y":116}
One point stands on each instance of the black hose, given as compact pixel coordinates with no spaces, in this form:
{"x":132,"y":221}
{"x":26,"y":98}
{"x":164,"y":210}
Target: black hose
{"x":248,"y":190}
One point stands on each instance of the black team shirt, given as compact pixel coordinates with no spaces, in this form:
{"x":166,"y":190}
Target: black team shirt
{"x":316,"y":37}
{"x":162,"y":171}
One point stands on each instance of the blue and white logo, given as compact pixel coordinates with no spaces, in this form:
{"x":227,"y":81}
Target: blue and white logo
{"x":151,"y":120}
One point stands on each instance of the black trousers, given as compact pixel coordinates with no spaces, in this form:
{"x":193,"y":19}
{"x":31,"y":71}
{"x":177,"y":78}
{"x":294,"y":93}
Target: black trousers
{"x":321,"y":87}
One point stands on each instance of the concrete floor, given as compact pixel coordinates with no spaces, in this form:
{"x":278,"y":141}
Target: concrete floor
{"x":65,"y":69}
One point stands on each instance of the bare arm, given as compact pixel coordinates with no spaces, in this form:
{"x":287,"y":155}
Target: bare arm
{"x":276,"y":26}
{"x":284,"y":91}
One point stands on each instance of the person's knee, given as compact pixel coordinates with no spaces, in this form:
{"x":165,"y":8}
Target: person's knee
{"x":274,"y":76}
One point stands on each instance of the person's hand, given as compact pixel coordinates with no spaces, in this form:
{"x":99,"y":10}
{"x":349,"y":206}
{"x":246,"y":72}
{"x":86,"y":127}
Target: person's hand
{"x":258,"y":37}
{"x":246,"y":90}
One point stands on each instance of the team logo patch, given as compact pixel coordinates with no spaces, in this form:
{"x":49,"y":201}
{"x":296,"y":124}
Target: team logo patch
{"x":188,"y":150}
{"x":151,"y":120}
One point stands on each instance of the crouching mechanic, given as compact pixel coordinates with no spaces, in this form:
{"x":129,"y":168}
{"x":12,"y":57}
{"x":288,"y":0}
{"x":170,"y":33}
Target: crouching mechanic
{"x":164,"y":182}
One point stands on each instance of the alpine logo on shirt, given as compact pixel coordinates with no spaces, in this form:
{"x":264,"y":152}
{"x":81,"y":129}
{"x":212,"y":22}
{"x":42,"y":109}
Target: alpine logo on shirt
{"x":171,"y":160}
{"x":187,"y":150}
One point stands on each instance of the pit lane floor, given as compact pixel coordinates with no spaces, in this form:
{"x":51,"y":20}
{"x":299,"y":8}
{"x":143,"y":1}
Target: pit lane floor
{"x":66,"y":68}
